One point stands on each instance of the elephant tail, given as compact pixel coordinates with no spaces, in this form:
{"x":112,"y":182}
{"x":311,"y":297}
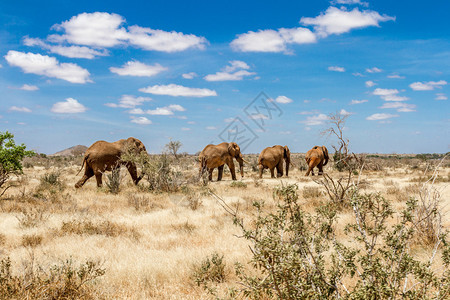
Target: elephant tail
{"x":82,"y":165}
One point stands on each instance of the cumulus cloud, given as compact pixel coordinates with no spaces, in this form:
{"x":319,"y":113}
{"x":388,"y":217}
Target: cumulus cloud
{"x":427,"y":86}
{"x":140,"y":120}
{"x":185,"y":129}
{"x":27,"y":87}
{"x":211,"y":127}
{"x":336,"y":69}
{"x":358,"y":101}
{"x":311,"y":112}
{"x":340,"y":20}
{"x":178,"y":90}
{"x":272,"y":40}
{"x":236,"y":70}
{"x":395,"y":76}
{"x":283,"y":100}
{"x":377,"y":117}
{"x":389,"y":94}
{"x":370,"y":83}
{"x":68,"y":51}
{"x":258,"y":117}
{"x":400,"y":106}
{"x":129,"y":101}
{"x":20,"y":109}
{"x":350,"y":2}
{"x":104,"y":30}
{"x":315,"y":120}
{"x":135,"y":68}
{"x":47,"y":66}
{"x":189,"y":75}
{"x":70,"y":106}
{"x":374,"y":70}
{"x":343,"y":112}
{"x":165,"y":111}
{"x":441,"y":96}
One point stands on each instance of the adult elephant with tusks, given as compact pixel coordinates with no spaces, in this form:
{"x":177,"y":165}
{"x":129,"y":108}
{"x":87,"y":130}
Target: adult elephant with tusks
{"x":104,"y":156}
{"x":316,"y":157}
{"x":216,"y":156}
{"x":272,"y":157}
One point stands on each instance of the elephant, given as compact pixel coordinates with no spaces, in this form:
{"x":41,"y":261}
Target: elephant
{"x":104,"y":156}
{"x":316,"y":157}
{"x":216,"y":156}
{"x":272,"y":157}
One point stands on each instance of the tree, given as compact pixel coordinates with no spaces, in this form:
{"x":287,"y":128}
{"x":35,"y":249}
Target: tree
{"x":11,"y":156}
{"x":172,"y":147}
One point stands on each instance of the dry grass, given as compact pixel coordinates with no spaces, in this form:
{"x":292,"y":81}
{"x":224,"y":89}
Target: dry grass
{"x":149,"y":242}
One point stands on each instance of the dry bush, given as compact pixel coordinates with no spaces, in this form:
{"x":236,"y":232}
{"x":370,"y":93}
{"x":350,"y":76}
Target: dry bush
{"x":32,"y":217}
{"x":238,"y":184}
{"x":113,"y":181}
{"x":107,"y":228}
{"x":211,"y":269}
{"x":2,"y":239}
{"x":311,"y":192}
{"x":62,"y":281}
{"x":185,"y":227}
{"x":32,"y":240}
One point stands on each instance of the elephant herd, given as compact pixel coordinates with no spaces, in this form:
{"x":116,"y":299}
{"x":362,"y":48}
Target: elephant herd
{"x":104,"y":156}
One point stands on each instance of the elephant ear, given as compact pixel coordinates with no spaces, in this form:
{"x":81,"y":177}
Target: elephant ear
{"x":325,"y":154}
{"x":232,"y":149}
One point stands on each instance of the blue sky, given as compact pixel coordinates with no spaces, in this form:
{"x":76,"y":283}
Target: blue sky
{"x":73,"y":72}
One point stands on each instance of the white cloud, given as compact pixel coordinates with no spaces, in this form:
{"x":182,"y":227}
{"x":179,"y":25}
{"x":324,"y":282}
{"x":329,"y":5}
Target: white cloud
{"x":258,"y":117}
{"x":350,"y":2}
{"x":211,"y":127}
{"x":27,"y":87}
{"x":190,"y":122}
{"x":374,"y":70}
{"x":336,"y":69}
{"x":272,"y":40}
{"x":377,"y":117}
{"x":136,"y":111}
{"x":389,"y":94}
{"x":185,"y":129}
{"x":357,"y":74}
{"x":178,"y":90}
{"x":236,"y":70}
{"x":105,"y":30}
{"x":68,"y":51}
{"x":70,"y":106}
{"x":128,"y":101}
{"x":343,"y":112}
{"x":312,"y":112}
{"x":140,"y":120}
{"x":370,"y":83}
{"x":399,"y":106}
{"x":189,"y":75}
{"x":283,"y":100}
{"x":135,"y":68}
{"x":229,"y":120}
{"x":441,"y":96}
{"x":166,"y":110}
{"x":20,"y":109}
{"x":338,"y":21}
{"x":315,"y":120}
{"x":427,"y":86}
{"x":395,"y":76}
{"x":358,"y":101}
{"x":47,"y":66}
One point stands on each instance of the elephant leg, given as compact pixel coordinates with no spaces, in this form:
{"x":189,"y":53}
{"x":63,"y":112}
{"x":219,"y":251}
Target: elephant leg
{"x":220,"y":171}
{"x":133,"y":172}
{"x":98,"y":177}
{"x":232,"y":170}
{"x":320,"y":167}
{"x":280,"y":169}
{"x":261,"y":169}
{"x":88,"y":173}
{"x":272,"y":172}
{"x":210,"y":171}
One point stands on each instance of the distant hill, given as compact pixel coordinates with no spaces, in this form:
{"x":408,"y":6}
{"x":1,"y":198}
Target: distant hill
{"x":72,"y":151}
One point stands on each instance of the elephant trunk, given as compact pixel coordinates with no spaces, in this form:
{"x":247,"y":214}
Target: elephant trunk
{"x":288,"y":162}
{"x":240,"y":160}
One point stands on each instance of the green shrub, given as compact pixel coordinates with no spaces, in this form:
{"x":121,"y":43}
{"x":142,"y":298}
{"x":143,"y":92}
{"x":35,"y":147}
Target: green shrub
{"x":212,"y":269}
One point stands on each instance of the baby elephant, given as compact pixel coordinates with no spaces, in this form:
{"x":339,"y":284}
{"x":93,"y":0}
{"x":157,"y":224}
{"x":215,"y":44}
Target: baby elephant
{"x":272,"y":157}
{"x":103,"y":156}
{"x":316,"y":157}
